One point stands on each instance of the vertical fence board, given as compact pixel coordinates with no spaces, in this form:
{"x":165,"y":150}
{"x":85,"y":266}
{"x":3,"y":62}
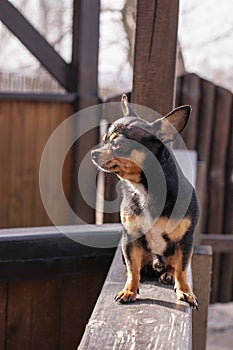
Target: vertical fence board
{"x":4,"y":161}
{"x":3,"y":312}
{"x":217,"y":175}
{"x":33,"y":316}
{"x":191,"y":96}
{"x":78,"y":299}
{"x":15,"y":164}
{"x":204,"y":132}
{"x":45,"y":321}
{"x":226,"y":272}
{"x":28,"y":169}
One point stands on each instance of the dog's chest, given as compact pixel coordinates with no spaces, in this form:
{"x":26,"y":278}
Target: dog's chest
{"x":136,"y":226}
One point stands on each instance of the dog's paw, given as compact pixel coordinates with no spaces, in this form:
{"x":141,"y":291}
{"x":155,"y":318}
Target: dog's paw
{"x":188,"y":297}
{"x":166,"y":278}
{"x":126,"y":296}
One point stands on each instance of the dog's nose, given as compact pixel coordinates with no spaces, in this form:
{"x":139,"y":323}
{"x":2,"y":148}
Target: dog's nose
{"x":94,"y":154}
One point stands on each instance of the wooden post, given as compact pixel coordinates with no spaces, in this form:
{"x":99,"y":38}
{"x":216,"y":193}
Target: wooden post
{"x":155,"y":54}
{"x":201,"y":270}
{"x":85,"y":75}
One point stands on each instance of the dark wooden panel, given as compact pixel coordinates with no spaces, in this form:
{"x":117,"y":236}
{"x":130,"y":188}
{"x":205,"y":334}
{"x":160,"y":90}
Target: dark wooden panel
{"x":40,"y":97}
{"x":15,"y":196}
{"x":4,"y":161}
{"x":155,"y":54}
{"x":33,"y":315}
{"x":35,"y":43}
{"x":201,"y":269}
{"x":216,"y":179}
{"x":25,"y":129}
{"x":191,"y":96}
{"x":226,"y":274}
{"x":77,"y":301}
{"x":3,"y":311}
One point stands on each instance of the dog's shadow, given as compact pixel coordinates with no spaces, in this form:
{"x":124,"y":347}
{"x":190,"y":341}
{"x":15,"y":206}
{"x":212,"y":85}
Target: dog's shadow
{"x":179,"y":306}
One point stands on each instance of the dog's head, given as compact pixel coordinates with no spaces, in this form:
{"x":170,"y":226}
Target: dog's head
{"x":128,"y":138}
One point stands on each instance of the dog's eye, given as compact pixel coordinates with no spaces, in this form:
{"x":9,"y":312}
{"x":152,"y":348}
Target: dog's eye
{"x":115,"y":143}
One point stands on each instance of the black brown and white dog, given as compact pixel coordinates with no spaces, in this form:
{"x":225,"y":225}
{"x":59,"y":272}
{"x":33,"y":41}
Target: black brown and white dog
{"x":156,"y":230}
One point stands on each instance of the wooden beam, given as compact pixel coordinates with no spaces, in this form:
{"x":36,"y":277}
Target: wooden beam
{"x":201,"y":269}
{"x":85,"y":51}
{"x":45,"y":251}
{"x":155,"y":54}
{"x":157,"y":320}
{"x":41,"y":97}
{"x":85,"y":82}
{"x":35,"y":43}
{"x":219,"y":243}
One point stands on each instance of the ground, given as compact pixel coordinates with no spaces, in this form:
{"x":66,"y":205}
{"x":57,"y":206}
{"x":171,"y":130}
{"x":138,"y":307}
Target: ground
{"x":220,"y":327}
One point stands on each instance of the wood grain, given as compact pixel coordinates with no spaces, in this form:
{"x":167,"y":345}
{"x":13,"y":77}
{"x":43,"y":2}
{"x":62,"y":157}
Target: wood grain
{"x":155,"y":56}
{"x":155,"y":319}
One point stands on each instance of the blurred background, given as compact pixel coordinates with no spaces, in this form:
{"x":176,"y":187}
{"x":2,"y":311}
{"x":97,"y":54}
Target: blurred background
{"x":33,"y":103}
{"x":205,"y":43}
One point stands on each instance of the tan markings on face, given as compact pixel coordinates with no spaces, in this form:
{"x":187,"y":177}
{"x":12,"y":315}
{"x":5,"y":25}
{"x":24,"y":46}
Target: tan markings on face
{"x":137,"y":157}
{"x":113,"y":136}
{"x":128,"y":170}
{"x":104,"y":137}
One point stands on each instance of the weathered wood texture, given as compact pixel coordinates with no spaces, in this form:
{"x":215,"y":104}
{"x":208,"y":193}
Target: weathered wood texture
{"x":25,"y":128}
{"x":49,"y":285}
{"x":209,"y":131}
{"x":157,"y":320}
{"x":201,"y":271}
{"x":154,"y":61}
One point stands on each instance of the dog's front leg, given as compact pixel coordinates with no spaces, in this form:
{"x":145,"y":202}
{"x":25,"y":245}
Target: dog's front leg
{"x":133,"y":257}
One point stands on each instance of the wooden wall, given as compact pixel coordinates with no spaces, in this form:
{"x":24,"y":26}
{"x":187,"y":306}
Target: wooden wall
{"x":210,"y":132}
{"x":25,"y":127}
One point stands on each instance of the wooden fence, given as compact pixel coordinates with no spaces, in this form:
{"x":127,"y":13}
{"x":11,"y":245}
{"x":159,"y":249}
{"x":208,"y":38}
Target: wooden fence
{"x":25,"y":127}
{"x":210,"y":132}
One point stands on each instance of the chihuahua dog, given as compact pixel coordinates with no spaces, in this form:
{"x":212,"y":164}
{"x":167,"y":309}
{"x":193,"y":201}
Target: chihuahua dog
{"x":159,"y":209}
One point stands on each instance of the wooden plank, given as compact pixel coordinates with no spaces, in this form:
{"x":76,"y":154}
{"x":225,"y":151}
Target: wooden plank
{"x":156,"y":320}
{"x":45,"y":314}
{"x":35,"y":42}
{"x":36,"y":253}
{"x":33,"y":315}
{"x":219,"y":243}
{"x":201,"y":196}
{"x":75,"y":313}
{"x":29,"y":172}
{"x":41,"y":112}
{"x":201,"y":270}
{"x":217,"y":175}
{"x":15,"y":165}
{"x":226,"y":274}
{"x":3,"y":310}
{"x":204,"y":135}
{"x":40,"y":97}
{"x":191,"y":96}
{"x":154,"y":63}
{"x":4,"y":162}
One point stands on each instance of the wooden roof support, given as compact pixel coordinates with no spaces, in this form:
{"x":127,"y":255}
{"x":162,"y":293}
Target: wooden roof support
{"x":35,"y":43}
{"x":155,"y":54}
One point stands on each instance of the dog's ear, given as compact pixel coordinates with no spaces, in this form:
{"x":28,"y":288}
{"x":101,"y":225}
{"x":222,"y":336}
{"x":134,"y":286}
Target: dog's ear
{"x":167,"y":128}
{"x":126,"y":107}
